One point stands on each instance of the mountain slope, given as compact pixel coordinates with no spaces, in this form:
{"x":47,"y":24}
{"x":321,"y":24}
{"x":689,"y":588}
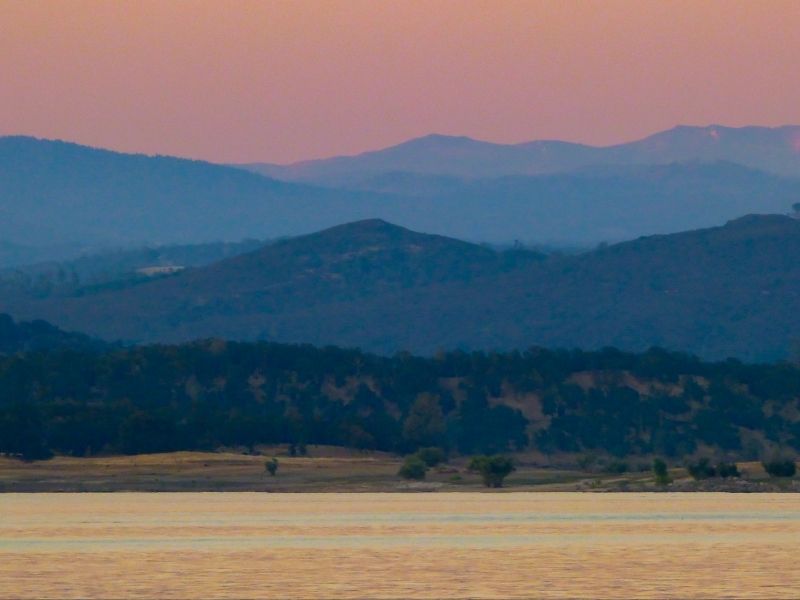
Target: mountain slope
{"x":40,"y":335}
{"x":240,"y":296}
{"x":776,"y":150}
{"x":593,"y":205}
{"x":726,"y":291}
{"x":56,"y":192}
{"x":112,"y":269}
{"x":771,"y":149}
{"x":74,"y":199}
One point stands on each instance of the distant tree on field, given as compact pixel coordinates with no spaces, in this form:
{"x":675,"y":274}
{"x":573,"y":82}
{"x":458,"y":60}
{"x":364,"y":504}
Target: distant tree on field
{"x":271,"y":466}
{"x":413,"y":468}
{"x":493,"y":469}
{"x":780,"y":467}
{"x":661,"y":473}
{"x":431,"y":456}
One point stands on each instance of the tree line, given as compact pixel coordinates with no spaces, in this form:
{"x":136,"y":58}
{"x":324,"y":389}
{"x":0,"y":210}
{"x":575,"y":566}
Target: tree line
{"x":211,"y":394}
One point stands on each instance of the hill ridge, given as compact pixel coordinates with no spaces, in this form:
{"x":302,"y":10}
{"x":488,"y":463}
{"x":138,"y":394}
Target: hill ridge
{"x":730,"y":290}
{"x":550,"y":155}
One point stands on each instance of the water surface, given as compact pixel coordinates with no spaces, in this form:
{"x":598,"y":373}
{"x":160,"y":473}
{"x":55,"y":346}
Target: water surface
{"x":457,"y":545}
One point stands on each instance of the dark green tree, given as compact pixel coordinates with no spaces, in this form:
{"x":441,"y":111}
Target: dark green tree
{"x":22,"y":432}
{"x":661,"y":473}
{"x":431,"y":456}
{"x":413,"y":467}
{"x":780,"y":467}
{"x":424,"y":425}
{"x":493,"y":469}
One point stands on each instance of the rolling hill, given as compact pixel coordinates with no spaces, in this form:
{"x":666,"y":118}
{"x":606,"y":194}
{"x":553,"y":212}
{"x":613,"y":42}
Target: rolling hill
{"x":725,"y":291}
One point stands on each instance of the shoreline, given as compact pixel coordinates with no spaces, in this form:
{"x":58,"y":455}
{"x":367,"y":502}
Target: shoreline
{"x":337,"y":471}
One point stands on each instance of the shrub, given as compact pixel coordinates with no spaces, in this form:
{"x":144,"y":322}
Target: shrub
{"x":780,"y":467}
{"x":493,"y":469}
{"x":271,"y":466}
{"x":726,"y":470}
{"x":431,"y":456}
{"x":702,"y":469}
{"x":660,"y":472}
{"x":413,"y":468}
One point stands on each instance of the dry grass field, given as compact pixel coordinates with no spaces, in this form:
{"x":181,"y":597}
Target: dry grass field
{"x":326,"y":469}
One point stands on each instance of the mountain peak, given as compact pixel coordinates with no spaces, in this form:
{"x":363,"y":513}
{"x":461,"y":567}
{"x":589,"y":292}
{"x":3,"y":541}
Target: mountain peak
{"x":361,"y":228}
{"x":371,"y":234}
{"x":756,"y":222}
{"x":439,"y":142}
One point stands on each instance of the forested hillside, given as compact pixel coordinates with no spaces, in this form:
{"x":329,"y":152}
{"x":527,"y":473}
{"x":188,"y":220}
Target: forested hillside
{"x":36,"y":335}
{"x":209,"y":394}
{"x":725,"y":291}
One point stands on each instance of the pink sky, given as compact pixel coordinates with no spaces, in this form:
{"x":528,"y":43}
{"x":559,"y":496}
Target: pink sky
{"x":283,"y":81}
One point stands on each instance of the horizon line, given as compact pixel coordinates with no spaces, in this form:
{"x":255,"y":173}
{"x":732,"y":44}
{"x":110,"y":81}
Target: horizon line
{"x":395,"y":145}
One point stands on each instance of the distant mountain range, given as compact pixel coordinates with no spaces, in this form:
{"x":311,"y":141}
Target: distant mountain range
{"x":60,"y":200}
{"x":57,"y":192}
{"x":775,"y":150}
{"x":725,"y":291}
{"x":611,"y":203}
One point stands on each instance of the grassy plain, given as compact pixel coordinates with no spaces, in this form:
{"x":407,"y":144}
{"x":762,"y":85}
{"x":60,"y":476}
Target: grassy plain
{"x":324,"y":470}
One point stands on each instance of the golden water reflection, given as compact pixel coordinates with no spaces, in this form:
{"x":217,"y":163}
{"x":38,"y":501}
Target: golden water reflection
{"x":506,"y":545}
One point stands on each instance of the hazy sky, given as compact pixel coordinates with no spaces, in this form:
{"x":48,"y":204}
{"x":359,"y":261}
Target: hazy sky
{"x":282,"y":81}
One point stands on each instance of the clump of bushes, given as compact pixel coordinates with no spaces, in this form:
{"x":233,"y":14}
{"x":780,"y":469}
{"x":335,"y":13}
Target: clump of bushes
{"x":780,"y":467}
{"x":416,"y":465}
{"x":413,"y":468}
{"x":493,"y":469}
{"x":703,"y":469}
{"x":432,"y":456}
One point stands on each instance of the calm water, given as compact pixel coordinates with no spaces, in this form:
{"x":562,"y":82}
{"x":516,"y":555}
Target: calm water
{"x":513,"y":545}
